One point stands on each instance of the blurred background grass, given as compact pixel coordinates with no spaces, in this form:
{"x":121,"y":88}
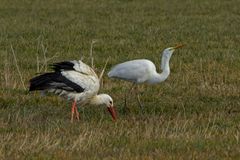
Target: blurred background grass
{"x":193,"y":115}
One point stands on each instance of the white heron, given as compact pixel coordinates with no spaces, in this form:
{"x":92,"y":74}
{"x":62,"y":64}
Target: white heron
{"x":143,"y":71}
{"x":76,"y":81}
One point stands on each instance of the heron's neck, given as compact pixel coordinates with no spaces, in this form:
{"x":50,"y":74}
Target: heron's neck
{"x":159,"y":77}
{"x":165,"y":64}
{"x":96,"y":100}
{"x":165,"y":67}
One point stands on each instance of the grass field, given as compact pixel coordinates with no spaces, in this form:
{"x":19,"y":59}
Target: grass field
{"x":195,"y":114}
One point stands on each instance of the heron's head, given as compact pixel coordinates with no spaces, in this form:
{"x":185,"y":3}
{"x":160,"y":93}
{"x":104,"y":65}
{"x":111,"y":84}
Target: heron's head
{"x":167,"y":53}
{"x":108,"y":101}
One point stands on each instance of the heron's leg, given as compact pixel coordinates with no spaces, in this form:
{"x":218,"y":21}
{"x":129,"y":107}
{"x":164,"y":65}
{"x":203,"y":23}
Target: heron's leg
{"x":73,"y":110}
{"x":138,"y":99}
{"x":126,"y":94}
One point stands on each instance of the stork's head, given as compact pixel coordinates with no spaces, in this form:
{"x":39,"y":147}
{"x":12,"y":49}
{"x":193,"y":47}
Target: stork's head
{"x":108,"y":101}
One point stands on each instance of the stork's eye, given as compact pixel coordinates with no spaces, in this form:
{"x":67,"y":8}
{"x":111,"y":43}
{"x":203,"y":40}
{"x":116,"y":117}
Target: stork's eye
{"x":110,"y":102}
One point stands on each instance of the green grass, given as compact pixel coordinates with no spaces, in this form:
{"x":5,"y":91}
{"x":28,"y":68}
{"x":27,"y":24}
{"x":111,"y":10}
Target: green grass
{"x":195,"y":114}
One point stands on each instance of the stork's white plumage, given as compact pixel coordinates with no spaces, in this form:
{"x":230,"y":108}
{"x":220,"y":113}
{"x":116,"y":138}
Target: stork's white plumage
{"x":74,"y":80}
{"x":143,"y":70}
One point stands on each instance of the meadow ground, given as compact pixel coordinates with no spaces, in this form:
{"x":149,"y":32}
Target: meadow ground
{"x":195,"y":114}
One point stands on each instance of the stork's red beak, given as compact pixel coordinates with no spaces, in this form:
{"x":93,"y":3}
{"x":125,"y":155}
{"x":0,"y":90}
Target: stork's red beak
{"x":111,"y":110}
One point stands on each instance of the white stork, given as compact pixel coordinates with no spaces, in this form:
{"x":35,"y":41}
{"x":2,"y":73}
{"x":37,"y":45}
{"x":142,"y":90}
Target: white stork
{"x":74,"y":80}
{"x":143,"y":71}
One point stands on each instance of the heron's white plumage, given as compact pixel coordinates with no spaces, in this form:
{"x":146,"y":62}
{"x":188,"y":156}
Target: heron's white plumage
{"x":143,"y":70}
{"x":137,"y":71}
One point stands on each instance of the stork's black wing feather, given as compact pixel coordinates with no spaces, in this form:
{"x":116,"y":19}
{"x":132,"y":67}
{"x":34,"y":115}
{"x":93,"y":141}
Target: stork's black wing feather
{"x":54,"y":80}
{"x":65,"y":65}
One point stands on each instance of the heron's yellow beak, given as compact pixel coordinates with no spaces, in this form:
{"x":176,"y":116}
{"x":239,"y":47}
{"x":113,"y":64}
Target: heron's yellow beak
{"x":178,"y":46}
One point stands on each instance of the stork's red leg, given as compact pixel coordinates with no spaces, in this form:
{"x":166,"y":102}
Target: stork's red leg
{"x":73,"y":110}
{"x":77,"y":113}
